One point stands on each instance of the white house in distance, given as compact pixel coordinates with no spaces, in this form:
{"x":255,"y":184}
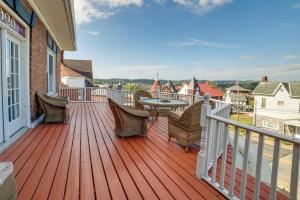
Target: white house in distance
{"x":77,"y":73}
{"x":277,"y":106}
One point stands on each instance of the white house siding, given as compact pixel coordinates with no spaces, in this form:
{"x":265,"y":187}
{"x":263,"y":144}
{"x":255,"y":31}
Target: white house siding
{"x":184,"y":89}
{"x":274,"y":112}
{"x":74,"y":82}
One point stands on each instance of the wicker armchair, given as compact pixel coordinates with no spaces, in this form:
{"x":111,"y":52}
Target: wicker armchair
{"x":136,"y":97}
{"x":186,"y":128}
{"x":55,"y":108}
{"x":128,"y":122}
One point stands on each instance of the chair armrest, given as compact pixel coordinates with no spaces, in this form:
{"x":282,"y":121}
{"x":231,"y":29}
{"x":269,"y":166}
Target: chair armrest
{"x":55,"y":103}
{"x":172,"y":116}
{"x":138,"y":113}
{"x":59,"y":98}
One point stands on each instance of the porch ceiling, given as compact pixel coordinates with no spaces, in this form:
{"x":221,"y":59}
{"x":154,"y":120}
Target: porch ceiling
{"x":58,"y":17}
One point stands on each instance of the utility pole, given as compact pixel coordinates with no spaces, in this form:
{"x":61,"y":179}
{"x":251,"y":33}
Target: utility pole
{"x":238,"y":100}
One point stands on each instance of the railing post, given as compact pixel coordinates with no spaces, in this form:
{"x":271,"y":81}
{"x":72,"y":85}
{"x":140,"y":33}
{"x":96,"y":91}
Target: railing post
{"x":201,"y":160}
{"x":122,"y":96}
{"x":84,"y":93}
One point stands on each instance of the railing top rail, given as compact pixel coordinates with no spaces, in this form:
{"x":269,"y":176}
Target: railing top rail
{"x":219,"y":109}
{"x":255,"y":129}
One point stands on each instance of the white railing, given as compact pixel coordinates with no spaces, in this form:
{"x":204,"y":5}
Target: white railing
{"x":84,"y":94}
{"x":214,"y":140}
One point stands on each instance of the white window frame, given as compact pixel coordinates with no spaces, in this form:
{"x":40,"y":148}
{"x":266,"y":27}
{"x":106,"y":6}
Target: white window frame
{"x":263,"y":102}
{"x":266,"y":124}
{"x":52,"y":93}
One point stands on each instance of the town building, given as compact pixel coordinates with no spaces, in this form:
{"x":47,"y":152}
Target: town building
{"x":77,"y":73}
{"x":215,"y":92}
{"x":277,"y":106}
{"x":34,"y":34}
{"x":193,"y":87}
{"x":189,"y":88}
{"x":168,"y":88}
{"x":155,"y":85}
{"x":237,"y":95}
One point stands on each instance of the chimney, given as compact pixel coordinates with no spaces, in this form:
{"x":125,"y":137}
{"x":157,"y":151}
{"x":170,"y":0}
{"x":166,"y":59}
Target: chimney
{"x":264,"y":79}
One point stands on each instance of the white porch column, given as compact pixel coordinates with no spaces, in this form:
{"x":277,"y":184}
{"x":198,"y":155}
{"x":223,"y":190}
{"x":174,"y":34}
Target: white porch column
{"x":202,"y":154}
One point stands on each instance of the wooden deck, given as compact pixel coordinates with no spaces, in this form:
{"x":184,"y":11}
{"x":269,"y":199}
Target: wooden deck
{"x":85,"y":160}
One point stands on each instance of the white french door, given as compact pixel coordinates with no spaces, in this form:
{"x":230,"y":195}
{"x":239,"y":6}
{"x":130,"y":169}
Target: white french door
{"x":12,"y":87}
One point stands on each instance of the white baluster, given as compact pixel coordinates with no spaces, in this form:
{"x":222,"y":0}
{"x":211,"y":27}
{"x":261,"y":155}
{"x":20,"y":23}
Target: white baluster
{"x":201,"y":160}
{"x":275,"y":169}
{"x":245,"y":165}
{"x":295,"y":172}
{"x":258,"y":166}
{"x":235,"y":151}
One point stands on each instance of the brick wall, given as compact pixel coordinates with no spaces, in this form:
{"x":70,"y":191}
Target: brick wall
{"x":38,"y":66}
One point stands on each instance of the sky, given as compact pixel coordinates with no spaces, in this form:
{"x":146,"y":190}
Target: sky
{"x":179,"y":39}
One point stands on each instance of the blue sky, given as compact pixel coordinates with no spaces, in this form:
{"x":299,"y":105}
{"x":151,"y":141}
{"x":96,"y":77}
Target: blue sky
{"x":179,"y":39}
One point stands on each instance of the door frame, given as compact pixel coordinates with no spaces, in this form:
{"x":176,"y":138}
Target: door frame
{"x":54,"y":63}
{"x":24,"y":71}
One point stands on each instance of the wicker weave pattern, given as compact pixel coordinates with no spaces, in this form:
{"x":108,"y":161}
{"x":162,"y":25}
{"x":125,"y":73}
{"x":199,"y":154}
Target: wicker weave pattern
{"x":136,"y":97}
{"x":186,"y":128}
{"x":55,"y":108}
{"x":128,"y":122}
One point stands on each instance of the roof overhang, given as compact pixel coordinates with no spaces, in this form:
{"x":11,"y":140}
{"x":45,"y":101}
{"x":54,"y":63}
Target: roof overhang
{"x":58,"y":17}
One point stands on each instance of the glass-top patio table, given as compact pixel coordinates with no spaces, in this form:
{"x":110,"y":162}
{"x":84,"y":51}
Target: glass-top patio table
{"x":171,"y":104}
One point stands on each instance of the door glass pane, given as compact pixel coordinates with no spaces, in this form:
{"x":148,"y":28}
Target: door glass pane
{"x":51,"y":73}
{"x":13,"y":83}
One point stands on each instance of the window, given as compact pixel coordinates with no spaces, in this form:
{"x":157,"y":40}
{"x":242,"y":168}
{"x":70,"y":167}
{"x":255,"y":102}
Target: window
{"x":51,"y":72}
{"x":269,"y":124}
{"x":280,"y":103}
{"x":263,"y":102}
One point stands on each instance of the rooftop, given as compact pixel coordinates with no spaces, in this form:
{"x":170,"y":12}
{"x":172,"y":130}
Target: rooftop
{"x":270,"y":87}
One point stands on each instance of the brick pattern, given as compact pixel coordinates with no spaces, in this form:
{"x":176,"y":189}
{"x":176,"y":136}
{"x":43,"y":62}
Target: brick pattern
{"x":38,"y":66}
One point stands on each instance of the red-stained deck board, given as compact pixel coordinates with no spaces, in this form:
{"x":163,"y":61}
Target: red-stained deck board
{"x":86,"y":160}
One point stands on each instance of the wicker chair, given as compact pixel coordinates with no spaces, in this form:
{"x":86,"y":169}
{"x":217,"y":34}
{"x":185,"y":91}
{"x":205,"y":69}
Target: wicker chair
{"x":128,"y":122}
{"x":55,"y":108}
{"x":136,"y":97}
{"x":186,"y":128}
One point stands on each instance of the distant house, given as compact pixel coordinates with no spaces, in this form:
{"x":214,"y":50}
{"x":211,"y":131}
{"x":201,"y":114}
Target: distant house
{"x":168,"y":88}
{"x":238,"y":95}
{"x":189,"y":88}
{"x":155,"y":86}
{"x":215,"y":93}
{"x":77,"y":73}
{"x":277,"y":106}
{"x":194,"y":86}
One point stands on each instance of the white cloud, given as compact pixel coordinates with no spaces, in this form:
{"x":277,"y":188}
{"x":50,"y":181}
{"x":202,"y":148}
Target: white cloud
{"x":290,"y":56}
{"x":250,"y":57}
{"x":296,"y":5}
{"x":195,"y":42}
{"x":119,"y":3}
{"x":202,"y":6}
{"x":86,"y":11}
{"x":94,"y":33}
